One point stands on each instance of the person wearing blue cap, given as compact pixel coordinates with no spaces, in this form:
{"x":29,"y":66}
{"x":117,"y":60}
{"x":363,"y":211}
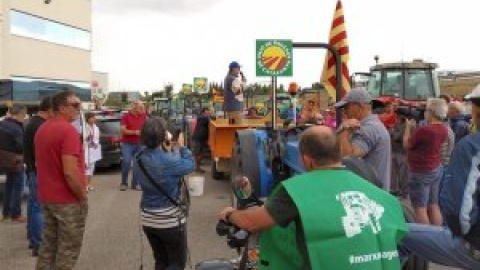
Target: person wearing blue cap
{"x":233,"y":93}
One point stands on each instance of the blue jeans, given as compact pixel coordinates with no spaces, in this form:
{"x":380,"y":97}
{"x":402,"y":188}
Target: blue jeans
{"x":34,"y":212}
{"x":12,"y":199}
{"x":129,"y":151}
{"x":438,"y":245}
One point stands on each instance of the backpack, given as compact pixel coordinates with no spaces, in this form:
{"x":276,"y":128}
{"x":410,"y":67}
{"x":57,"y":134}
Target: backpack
{"x":460,"y":190}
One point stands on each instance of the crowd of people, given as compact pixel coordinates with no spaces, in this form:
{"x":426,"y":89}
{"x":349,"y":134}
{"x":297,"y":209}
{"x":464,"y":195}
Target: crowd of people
{"x":440,"y":153}
{"x":440,"y":168}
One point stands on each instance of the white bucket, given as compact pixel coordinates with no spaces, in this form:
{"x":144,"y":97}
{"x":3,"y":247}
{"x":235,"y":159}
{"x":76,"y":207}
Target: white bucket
{"x":195,"y":185}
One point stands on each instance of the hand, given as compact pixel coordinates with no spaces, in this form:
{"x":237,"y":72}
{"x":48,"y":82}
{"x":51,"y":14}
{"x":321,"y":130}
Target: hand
{"x":348,"y":125}
{"x":137,"y":132}
{"x":411,"y":123}
{"x":351,"y":123}
{"x":223,"y":214}
{"x":180,"y":141}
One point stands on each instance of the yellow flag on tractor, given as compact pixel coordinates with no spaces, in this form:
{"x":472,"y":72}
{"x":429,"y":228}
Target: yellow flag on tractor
{"x":337,"y":39}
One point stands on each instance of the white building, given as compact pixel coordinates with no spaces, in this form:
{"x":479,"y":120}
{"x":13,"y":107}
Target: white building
{"x":44,"y":45}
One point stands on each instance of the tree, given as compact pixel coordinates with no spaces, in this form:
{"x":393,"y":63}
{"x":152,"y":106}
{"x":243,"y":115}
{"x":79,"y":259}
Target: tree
{"x":168,"y":90}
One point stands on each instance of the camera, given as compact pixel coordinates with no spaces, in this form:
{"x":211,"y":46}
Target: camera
{"x":410,"y":112}
{"x":176,"y":134}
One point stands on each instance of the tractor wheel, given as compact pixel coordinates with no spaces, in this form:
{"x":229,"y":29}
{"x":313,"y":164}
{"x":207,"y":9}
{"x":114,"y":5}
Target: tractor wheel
{"x":243,"y":163}
{"x":414,"y":262}
{"x":236,"y":170}
{"x":216,"y":175}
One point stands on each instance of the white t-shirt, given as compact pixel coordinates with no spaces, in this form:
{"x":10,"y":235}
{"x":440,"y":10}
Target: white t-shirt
{"x":237,"y":87}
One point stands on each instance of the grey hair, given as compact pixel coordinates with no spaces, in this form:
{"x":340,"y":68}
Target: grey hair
{"x":153,"y":132}
{"x":457,"y":106}
{"x":437,"y":107}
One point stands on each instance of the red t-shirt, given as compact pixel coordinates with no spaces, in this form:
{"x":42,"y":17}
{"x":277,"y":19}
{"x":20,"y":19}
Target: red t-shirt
{"x":55,"y":138}
{"x":424,"y":154}
{"x":388,"y":119}
{"x":132,"y":122}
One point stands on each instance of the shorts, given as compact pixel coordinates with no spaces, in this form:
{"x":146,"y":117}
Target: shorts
{"x":200,"y":148}
{"x":424,"y":187}
{"x":235,"y":117}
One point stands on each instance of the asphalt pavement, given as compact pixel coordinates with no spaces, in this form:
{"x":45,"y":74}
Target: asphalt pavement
{"x":113,"y":238}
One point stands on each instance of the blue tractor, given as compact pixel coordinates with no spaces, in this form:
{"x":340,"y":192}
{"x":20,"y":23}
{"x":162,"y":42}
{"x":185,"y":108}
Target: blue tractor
{"x":268,"y":156}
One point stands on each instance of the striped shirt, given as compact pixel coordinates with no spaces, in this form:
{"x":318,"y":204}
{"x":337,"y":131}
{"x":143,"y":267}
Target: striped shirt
{"x":162,"y":218}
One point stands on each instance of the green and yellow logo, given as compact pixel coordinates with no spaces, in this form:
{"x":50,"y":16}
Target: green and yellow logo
{"x":200,"y":85}
{"x":274,"y":58}
{"x":187,"y":88}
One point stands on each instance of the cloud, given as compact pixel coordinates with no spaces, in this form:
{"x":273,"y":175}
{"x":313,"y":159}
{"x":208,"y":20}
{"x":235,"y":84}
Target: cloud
{"x":164,"y":6}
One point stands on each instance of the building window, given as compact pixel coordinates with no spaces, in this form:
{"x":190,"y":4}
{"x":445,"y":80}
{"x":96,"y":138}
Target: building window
{"x":35,"y":89}
{"x":26,"y":25}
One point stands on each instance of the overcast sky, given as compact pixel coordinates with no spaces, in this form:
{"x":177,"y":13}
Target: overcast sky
{"x":145,"y":44}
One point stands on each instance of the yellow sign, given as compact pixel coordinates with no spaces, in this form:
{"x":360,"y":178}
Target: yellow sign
{"x":186,"y":88}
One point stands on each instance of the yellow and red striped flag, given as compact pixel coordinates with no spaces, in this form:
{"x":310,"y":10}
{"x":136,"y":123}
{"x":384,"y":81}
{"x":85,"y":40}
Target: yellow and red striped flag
{"x":337,"y":39}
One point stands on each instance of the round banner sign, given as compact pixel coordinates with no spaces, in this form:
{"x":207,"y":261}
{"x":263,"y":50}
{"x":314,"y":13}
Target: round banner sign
{"x":274,"y":58}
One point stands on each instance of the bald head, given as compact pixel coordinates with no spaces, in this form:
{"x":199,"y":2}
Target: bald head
{"x":319,"y":144}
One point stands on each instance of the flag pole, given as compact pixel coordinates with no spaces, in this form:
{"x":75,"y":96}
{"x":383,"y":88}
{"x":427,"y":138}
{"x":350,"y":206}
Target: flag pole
{"x":274,"y":102}
{"x":338,"y":68}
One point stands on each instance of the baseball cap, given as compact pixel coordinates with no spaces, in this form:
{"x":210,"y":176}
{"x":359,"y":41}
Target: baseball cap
{"x":234,"y":64}
{"x":475,"y":94}
{"x":359,"y":95}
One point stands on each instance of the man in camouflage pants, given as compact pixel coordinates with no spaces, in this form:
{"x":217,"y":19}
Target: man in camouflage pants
{"x":61,"y":185}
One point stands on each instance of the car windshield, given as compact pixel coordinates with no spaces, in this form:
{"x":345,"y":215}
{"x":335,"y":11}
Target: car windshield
{"x":110,"y":126}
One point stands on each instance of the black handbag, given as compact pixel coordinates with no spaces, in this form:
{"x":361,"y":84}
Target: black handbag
{"x":183,"y":201}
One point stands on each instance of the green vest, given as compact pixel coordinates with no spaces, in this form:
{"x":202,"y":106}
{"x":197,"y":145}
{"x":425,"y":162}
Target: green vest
{"x":348,"y":223}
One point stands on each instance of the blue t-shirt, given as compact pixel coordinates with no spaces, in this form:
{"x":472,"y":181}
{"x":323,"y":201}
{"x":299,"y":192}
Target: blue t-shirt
{"x":231,"y":103}
{"x":373,"y":138}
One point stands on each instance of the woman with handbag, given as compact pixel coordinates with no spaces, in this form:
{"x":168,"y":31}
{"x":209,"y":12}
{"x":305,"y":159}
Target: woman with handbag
{"x":161,"y":166}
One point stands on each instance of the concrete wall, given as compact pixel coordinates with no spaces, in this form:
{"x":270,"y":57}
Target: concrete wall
{"x":3,"y":32}
{"x":27,"y":57}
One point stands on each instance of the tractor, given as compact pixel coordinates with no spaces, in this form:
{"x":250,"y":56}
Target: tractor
{"x":269,"y":155}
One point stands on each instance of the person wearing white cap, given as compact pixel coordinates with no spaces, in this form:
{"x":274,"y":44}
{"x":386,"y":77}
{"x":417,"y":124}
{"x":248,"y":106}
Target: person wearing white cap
{"x":457,"y":244}
{"x":363,"y":135}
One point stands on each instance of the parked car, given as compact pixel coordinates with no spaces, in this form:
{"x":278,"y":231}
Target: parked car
{"x":109,"y":126}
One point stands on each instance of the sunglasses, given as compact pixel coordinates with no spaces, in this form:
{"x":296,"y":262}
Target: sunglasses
{"x":75,"y":105}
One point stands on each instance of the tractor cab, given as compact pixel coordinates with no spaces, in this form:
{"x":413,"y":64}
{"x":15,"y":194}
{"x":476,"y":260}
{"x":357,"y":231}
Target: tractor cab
{"x":162,"y":107}
{"x":410,"y":81}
